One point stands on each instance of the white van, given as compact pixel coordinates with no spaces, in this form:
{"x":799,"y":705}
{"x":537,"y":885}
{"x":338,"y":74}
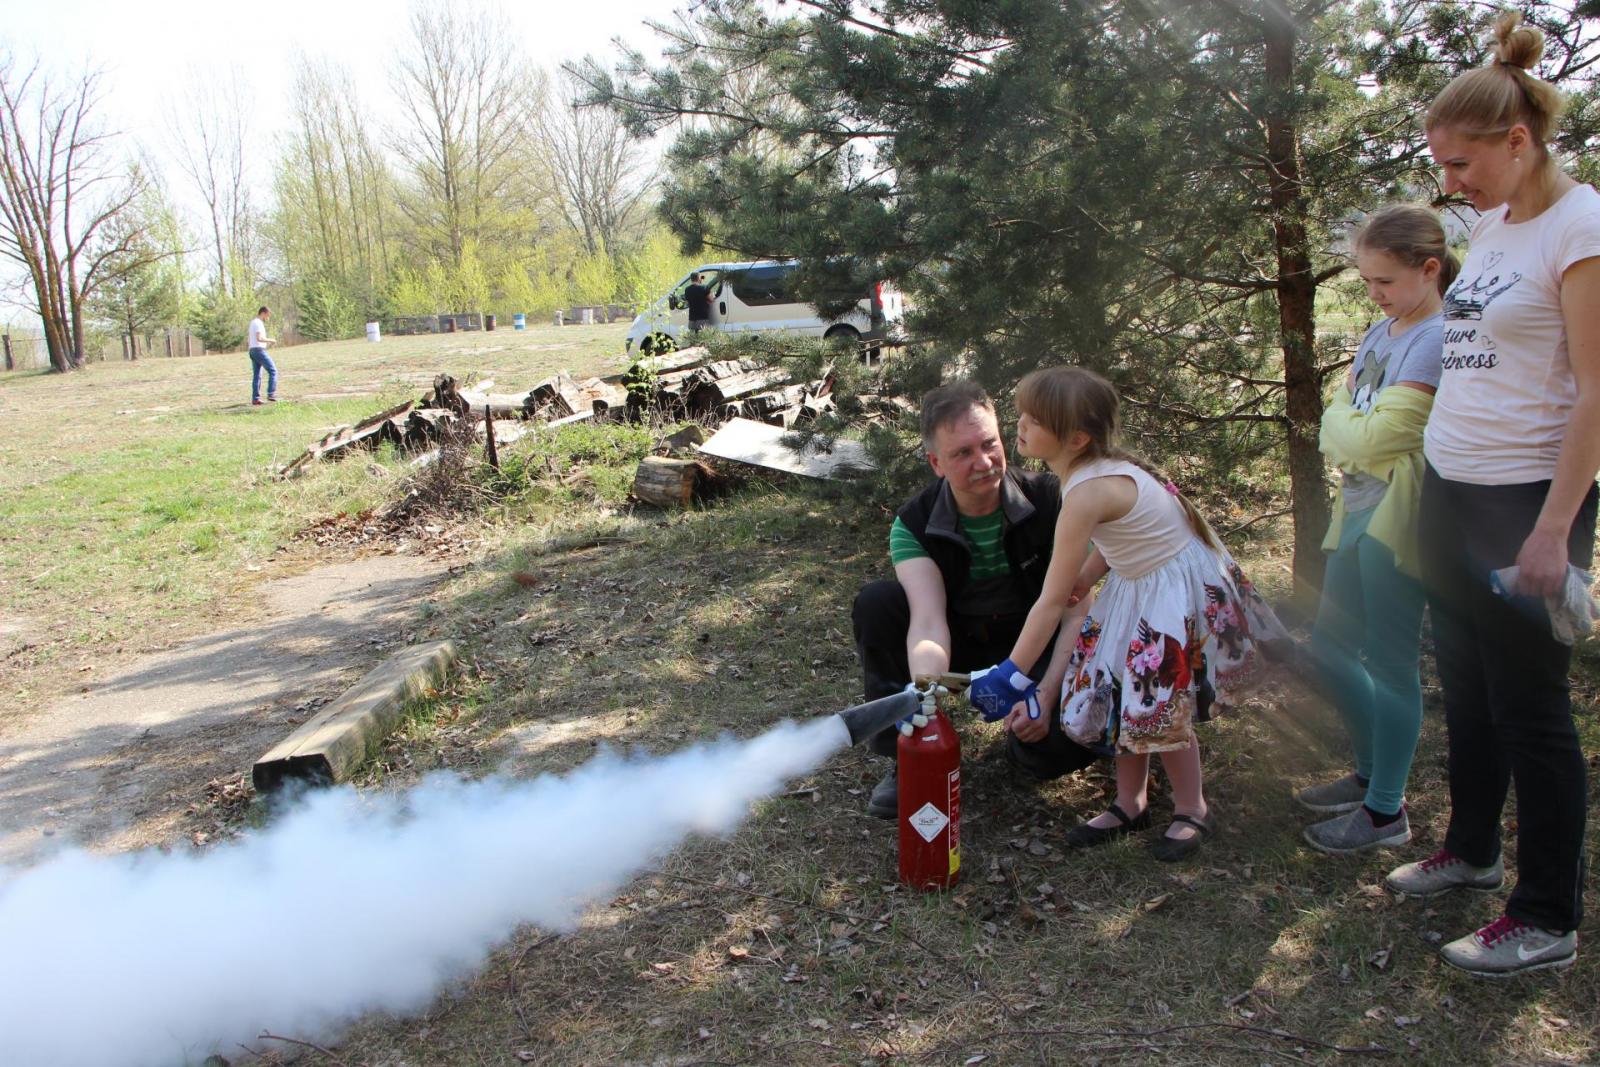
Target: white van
{"x":754,"y":296}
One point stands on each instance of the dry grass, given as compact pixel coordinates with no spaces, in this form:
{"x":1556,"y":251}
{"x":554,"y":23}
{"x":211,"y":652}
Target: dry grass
{"x":137,"y":502}
{"x":791,"y":942}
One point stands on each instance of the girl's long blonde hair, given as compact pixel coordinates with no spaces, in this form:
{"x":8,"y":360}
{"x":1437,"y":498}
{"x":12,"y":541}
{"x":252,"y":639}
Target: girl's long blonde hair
{"x":1065,"y":400}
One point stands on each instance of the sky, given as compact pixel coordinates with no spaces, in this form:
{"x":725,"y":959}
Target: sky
{"x":147,"y":51}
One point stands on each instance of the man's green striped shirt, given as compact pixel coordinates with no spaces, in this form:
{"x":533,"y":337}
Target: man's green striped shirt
{"x":985,"y":534}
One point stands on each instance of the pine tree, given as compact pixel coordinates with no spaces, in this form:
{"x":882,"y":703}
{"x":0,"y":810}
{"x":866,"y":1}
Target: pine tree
{"x":1156,"y":190}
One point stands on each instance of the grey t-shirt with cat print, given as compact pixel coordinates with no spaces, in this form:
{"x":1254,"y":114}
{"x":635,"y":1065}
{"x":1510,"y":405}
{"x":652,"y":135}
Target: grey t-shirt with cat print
{"x":1413,"y":355}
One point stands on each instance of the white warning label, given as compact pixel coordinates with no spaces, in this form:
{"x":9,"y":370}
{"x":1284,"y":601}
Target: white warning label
{"x":928,"y":821}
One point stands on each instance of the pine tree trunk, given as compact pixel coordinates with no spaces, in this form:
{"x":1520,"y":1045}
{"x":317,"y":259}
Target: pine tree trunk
{"x":1297,"y":296}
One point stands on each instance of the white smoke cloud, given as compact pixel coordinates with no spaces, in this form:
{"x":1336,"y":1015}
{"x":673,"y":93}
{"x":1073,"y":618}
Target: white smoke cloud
{"x":348,"y":903}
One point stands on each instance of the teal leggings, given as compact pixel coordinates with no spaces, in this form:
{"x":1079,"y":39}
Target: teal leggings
{"x":1366,"y":646}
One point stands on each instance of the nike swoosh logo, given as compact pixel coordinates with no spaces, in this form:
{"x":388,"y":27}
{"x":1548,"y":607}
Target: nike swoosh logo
{"x":1524,"y":955}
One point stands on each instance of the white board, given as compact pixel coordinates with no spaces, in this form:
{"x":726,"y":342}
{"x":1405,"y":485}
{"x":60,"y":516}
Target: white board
{"x":760,"y":445}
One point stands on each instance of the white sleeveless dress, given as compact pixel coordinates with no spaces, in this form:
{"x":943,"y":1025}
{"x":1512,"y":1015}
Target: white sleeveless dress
{"x":1173,"y":635}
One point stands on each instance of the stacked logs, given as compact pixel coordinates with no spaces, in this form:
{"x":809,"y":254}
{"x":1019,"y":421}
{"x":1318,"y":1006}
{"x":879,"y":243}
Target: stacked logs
{"x":688,"y":384}
{"x":417,"y":425}
{"x":682,"y":384}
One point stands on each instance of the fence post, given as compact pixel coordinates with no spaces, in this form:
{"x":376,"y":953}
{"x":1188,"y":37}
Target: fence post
{"x":10,"y":364}
{"x":169,"y":343}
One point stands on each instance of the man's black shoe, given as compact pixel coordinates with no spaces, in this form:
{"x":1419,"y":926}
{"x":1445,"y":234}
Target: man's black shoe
{"x":884,"y":803}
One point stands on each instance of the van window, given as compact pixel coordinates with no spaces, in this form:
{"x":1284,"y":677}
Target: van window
{"x":760,"y":285}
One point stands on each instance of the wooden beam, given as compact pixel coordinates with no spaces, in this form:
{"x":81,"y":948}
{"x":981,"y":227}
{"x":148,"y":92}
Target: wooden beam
{"x":338,"y":740}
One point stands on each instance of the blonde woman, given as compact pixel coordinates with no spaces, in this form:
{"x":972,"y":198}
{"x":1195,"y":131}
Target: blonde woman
{"x":1512,"y":447}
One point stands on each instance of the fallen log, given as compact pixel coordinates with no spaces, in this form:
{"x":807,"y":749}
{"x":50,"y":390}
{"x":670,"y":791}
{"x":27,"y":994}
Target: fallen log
{"x":426,"y":425}
{"x":762,"y":405}
{"x":671,"y":361}
{"x":445,"y":396}
{"x":555,"y":397}
{"x":369,"y":433}
{"x":671,"y":483}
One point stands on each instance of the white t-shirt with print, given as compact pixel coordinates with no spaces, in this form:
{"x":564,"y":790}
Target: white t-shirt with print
{"x":258,"y":334}
{"x":1507,"y":388}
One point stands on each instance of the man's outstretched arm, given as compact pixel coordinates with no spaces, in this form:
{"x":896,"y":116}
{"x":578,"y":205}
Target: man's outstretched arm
{"x":928,"y":636}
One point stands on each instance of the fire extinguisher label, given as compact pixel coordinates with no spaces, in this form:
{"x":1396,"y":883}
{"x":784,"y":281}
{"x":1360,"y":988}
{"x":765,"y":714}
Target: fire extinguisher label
{"x":928,"y":821}
{"x":954,"y":782}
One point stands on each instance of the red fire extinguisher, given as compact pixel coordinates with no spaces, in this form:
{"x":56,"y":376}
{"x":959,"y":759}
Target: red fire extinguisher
{"x":930,"y":804}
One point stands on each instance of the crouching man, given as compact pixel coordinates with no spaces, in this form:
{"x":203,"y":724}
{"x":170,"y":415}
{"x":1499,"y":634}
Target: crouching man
{"x":970,"y":553}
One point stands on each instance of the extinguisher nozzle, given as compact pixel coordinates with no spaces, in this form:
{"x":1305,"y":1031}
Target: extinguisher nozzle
{"x":865,"y":720}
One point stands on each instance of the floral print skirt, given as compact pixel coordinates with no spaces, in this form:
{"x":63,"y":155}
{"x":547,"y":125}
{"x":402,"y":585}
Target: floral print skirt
{"x":1162,"y":651}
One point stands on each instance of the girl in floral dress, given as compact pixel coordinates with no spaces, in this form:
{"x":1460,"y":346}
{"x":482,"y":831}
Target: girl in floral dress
{"x":1174,"y":634}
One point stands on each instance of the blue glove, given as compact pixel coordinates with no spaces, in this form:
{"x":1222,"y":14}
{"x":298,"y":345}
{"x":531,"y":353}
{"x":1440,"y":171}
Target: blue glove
{"x":1031,"y":698}
{"x":994,"y":691}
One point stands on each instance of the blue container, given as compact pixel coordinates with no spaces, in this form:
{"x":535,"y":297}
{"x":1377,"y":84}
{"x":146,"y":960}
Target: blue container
{"x":519,"y":321}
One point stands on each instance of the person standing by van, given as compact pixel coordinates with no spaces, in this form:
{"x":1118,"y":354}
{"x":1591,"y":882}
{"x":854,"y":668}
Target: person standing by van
{"x":698,"y":297}
{"x":1512,"y":448}
{"x":257,"y":342}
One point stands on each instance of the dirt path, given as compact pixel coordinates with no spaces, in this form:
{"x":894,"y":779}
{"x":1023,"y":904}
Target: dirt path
{"x":122,"y":763}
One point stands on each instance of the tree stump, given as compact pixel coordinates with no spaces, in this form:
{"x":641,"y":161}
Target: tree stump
{"x":670,"y":483}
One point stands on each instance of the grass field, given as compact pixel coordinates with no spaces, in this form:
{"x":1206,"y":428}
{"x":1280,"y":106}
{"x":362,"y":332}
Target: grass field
{"x":789,"y":942}
{"x":138,"y":499}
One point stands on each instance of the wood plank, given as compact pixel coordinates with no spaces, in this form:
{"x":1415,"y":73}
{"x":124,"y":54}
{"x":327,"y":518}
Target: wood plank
{"x":501,"y":405}
{"x":335,"y":742}
{"x":760,"y":445}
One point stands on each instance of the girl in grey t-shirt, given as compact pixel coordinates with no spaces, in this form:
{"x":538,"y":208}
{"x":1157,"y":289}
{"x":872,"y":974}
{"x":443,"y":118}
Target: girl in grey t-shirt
{"x":1390,"y":354}
{"x":1369,"y":625}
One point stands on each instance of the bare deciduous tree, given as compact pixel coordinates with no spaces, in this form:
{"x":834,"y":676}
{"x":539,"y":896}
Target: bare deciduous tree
{"x":469,"y":100}
{"x":601,"y":172}
{"x":207,"y":123}
{"x":60,"y":189}
{"x":335,"y":193}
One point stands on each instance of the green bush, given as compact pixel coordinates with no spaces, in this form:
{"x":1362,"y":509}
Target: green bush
{"x":219,"y":319}
{"x":327,"y":311}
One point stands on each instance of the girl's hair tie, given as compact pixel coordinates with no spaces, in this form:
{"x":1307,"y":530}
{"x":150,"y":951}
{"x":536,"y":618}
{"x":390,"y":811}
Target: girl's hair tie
{"x":1169,"y":487}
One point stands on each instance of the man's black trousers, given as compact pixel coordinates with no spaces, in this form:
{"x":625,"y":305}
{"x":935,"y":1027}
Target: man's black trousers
{"x":882,"y":617}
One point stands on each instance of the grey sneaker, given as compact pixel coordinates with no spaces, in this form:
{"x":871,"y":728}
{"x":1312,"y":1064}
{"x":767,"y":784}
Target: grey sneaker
{"x":1355,"y":832}
{"x":884,"y":803}
{"x":1510,"y":946}
{"x":1442,"y":871}
{"x":1341,"y":794}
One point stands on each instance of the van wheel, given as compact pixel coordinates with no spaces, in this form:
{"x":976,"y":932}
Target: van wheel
{"x":842,"y":335}
{"x":657,"y":344}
